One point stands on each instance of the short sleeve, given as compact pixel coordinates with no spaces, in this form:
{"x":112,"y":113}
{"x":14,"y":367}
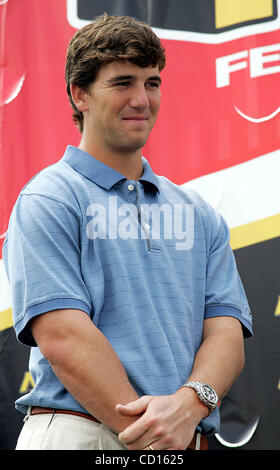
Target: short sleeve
{"x":42,"y":259}
{"x":225,"y":294}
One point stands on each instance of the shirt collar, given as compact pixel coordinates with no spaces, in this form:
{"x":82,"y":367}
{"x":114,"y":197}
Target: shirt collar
{"x":100,"y":173}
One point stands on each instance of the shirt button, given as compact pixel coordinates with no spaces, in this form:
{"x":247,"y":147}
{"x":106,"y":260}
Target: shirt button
{"x":130,"y":187}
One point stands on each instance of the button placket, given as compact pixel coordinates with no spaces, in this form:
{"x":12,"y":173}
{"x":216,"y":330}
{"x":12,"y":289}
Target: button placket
{"x":144,"y":226}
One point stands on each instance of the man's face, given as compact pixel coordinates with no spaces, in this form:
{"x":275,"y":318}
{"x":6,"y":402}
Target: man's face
{"x":123,"y":103}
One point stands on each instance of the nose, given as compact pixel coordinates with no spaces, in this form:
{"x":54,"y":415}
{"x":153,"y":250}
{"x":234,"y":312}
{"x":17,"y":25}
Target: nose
{"x":139,"y":97}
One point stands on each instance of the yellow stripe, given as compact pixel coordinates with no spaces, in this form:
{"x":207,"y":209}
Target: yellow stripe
{"x":230,"y":12}
{"x":27,"y":383}
{"x":277,"y":310}
{"x":6,"y":319}
{"x":255,"y":232}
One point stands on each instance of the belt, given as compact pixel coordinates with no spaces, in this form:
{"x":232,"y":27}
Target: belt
{"x":37,"y":410}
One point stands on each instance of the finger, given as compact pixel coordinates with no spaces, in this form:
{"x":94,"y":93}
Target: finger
{"x":134,"y":432}
{"x":125,"y":410}
{"x":151,"y":446}
{"x":134,"y":407}
{"x":143,"y":441}
{"x":146,"y":440}
{"x":156,"y":445}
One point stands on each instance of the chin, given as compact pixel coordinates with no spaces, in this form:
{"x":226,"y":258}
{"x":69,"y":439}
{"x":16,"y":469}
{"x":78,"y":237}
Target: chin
{"x":133,"y":145}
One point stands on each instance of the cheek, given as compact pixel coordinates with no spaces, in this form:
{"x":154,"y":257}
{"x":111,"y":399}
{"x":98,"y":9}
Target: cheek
{"x":155,"y":103}
{"x":117,"y":100}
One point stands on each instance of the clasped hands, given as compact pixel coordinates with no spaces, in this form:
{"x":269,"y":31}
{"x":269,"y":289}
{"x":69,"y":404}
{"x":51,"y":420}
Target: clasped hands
{"x":165,"y":422}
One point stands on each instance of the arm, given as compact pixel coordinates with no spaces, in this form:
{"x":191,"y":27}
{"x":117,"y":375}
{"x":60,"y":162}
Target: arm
{"x":169,"y":422}
{"x":85,"y":363}
{"x":220,"y":359}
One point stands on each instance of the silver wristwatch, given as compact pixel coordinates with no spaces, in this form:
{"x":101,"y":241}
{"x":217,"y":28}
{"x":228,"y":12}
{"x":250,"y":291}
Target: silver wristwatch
{"x":205,"y":393}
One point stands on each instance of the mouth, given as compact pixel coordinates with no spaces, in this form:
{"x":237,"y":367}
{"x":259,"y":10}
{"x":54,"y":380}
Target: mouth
{"x":135,"y":118}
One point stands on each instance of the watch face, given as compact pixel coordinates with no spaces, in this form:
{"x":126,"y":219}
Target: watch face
{"x":209,"y":394}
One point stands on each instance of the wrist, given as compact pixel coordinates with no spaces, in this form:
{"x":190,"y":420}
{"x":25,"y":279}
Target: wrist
{"x":192,"y":403}
{"x":205,"y":393}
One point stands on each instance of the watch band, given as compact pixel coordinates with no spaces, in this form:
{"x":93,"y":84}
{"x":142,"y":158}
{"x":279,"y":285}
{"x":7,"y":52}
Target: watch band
{"x":205,"y":393}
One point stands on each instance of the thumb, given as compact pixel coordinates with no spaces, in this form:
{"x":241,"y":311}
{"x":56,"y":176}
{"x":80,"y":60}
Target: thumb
{"x":134,"y":407}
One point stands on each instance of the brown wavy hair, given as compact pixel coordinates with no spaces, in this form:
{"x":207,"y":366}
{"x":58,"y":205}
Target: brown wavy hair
{"x":107,"y":39}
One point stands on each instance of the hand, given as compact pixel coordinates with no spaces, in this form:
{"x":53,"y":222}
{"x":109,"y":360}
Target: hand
{"x":166,"y":422}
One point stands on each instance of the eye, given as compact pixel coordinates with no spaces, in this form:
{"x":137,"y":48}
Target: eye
{"x":122,"y":84}
{"x":153,"y":84}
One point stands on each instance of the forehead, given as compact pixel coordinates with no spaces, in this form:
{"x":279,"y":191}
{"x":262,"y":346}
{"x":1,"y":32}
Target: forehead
{"x":125,"y":68}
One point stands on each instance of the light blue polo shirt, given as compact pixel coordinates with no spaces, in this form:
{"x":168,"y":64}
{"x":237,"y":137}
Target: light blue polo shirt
{"x":146,"y":260}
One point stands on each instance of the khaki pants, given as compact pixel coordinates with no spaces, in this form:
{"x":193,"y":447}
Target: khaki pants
{"x":66,"y":432}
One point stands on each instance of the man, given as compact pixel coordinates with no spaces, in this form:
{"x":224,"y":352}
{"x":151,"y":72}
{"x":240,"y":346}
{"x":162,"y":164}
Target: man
{"x":127,"y":312}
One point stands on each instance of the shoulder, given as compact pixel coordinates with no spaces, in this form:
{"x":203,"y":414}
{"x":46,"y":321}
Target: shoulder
{"x":206,"y":218}
{"x":53,"y":187}
{"x":175,"y":193}
{"x":57,"y":180}
{"x":52,"y":194}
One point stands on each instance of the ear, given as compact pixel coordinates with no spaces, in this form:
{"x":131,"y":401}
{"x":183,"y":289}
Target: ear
{"x":79,"y":97}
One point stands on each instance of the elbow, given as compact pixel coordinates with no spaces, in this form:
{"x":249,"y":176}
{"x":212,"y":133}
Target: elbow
{"x":50,"y":350}
{"x":52,"y":342}
{"x":56,"y":349}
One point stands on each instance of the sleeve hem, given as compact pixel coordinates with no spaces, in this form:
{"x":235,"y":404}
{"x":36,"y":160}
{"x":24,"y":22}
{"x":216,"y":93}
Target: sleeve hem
{"x":220,"y":310}
{"x":22,"y":327}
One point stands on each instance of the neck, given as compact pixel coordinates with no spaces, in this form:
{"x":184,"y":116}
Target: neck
{"x":128,"y":164}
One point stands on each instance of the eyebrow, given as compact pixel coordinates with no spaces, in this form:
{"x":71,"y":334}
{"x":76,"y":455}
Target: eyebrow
{"x":131,"y":77}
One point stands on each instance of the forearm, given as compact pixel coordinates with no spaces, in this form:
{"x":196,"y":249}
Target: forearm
{"x":220,"y":358}
{"x":87,"y":365}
